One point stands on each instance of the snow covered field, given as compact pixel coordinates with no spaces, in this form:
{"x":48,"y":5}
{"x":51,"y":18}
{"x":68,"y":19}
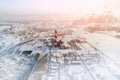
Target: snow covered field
{"x":107,"y":44}
{"x":15,"y":67}
{"x":85,"y":63}
{"x":7,"y":41}
{"x":94,"y":57}
{"x":12,"y":64}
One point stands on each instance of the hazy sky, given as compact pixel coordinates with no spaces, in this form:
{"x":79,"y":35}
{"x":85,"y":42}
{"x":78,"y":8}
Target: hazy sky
{"x":57,"y":6}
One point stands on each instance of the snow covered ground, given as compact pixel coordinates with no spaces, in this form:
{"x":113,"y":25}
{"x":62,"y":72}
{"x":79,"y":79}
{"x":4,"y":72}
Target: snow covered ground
{"x":12,"y":64}
{"x":7,"y":42}
{"x":86,"y":63}
{"x":15,"y":67}
{"x":80,"y":61}
{"x":109,"y":45}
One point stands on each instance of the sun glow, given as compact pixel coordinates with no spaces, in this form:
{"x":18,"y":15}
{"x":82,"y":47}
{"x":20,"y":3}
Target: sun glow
{"x":58,"y":6}
{"x":76,"y":5}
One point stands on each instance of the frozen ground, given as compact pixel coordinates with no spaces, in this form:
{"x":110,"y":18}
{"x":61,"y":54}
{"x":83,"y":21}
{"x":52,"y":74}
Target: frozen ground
{"x":7,"y":41}
{"x":12,"y":64}
{"x":81,"y":62}
{"x":12,"y":67}
{"x":107,"y":44}
{"x":96,"y":58}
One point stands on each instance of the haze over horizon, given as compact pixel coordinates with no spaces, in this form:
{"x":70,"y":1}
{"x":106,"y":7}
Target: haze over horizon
{"x":36,"y":7}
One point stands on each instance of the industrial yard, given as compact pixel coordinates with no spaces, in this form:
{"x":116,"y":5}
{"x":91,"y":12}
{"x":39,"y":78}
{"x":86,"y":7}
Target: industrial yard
{"x":71,"y":52}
